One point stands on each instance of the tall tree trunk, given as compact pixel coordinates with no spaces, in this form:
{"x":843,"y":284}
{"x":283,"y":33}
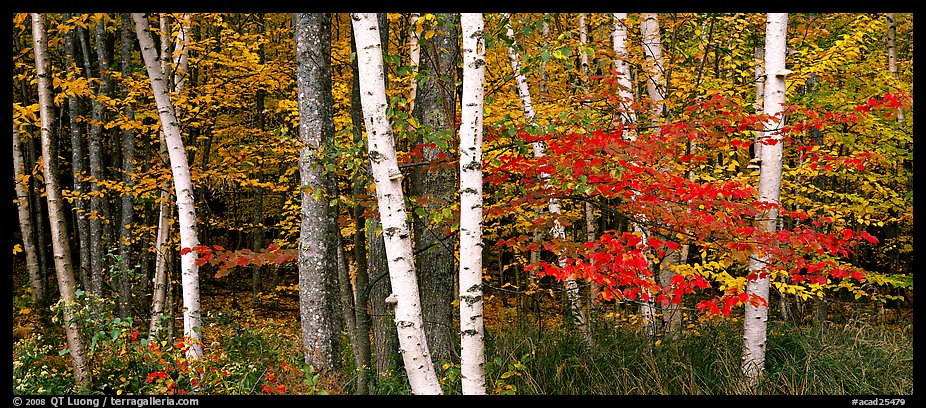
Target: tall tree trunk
{"x":385,"y":335}
{"x":756,"y":317}
{"x":382,"y":315}
{"x":97,"y":199}
{"x":183,"y":187}
{"x":77,"y":162}
{"x":38,"y":210}
{"x":576,"y":305}
{"x":656,"y":88}
{"x":628,"y":117}
{"x":257,"y":242}
{"x":361,"y":342}
{"x":36,"y":280}
{"x":60,"y":247}
{"x":590,"y":231}
{"x":892,"y":56}
{"x":128,"y":167}
{"x":388,"y":180}
{"x":318,"y":245}
{"x":472,"y":344}
{"x":161,"y":306}
{"x":414,"y":57}
{"x":434,"y":186}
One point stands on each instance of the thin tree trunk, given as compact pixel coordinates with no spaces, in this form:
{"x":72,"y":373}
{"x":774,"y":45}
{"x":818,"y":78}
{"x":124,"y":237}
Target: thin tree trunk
{"x":77,"y":163}
{"x":192,"y":322}
{"x":472,"y":344}
{"x":414,"y":56}
{"x":892,"y":56}
{"x":257,"y":242}
{"x":544,"y":93}
{"x":361,"y":342}
{"x":628,"y":117}
{"x":38,"y":212}
{"x":36,"y":280}
{"x":161,"y":281}
{"x":60,"y":246}
{"x":97,"y":200}
{"x":318,"y":246}
{"x":539,"y":148}
{"x":385,"y":335}
{"x":756,"y":317}
{"x":128,"y":167}
{"x":387,"y":178}
{"x":435,"y":187}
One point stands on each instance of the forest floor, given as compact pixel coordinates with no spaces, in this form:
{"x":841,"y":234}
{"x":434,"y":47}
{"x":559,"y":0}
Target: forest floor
{"x":255,"y":349}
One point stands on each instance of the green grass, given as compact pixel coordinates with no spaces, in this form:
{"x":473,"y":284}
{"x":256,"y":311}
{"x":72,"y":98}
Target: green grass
{"x":856,"y":359}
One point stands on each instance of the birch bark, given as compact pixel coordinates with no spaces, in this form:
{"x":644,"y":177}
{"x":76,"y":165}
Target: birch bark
{"x":61,"y":249}
{"x":472,"y":346}
{"x":756,"y":317}
{"x":183,"y":188}
{"x":388,"y":180}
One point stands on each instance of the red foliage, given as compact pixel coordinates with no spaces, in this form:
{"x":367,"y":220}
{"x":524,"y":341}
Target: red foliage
{"x":646,"y":181}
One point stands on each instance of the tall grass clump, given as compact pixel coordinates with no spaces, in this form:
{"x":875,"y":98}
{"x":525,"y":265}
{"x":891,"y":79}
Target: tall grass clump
{"x":855,"y":359}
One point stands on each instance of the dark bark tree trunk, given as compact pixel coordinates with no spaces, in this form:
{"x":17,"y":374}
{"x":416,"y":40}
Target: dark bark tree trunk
{"x":361,"y":341}
{"x":36,"y":280}
{"x":317,"y":247}
{"x":75,"y":112}
{"x":128,"y":167}
{"x":434,"y":187}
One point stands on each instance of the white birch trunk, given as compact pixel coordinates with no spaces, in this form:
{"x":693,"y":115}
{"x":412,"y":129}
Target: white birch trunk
{"x":572,"y":289}
{"x":388,"y":180}
{"x":61,"y":249}
{"x":624,"y":86}
{"x":583,"y":40}
{"x":756,"y":318}
{"x":629,"y":117}
{"x":472,"y":345}
{"x":183,"y":188}
{"x":652,"y":50}
{"x":161,"y":280}
{"x":414,"y":53}
{"x":760,"y":95}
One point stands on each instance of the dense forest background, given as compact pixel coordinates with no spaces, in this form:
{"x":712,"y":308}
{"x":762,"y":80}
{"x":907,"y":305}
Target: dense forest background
{"x":635,"y":282}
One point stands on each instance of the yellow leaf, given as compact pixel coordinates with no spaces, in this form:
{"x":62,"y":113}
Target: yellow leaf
{"x":658,"y":342}
{"x":17,"y":249}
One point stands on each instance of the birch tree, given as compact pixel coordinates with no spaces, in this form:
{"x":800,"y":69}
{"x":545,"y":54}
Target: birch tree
{"x":472,"y":346}
{"x":892,"y":56}
{"x":174,"y":70}
{"x":318,"y":262}
{"x":539,"y":150}
{"x":391,"y":201}
{"x":36,"y":280}
{"x":627,"y":116}
{"x":414,"y":56}
{"x":183,"y":188}
{"x":756,"y":317}
{"x":656,"y":89}
{"x":61,"y":249}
